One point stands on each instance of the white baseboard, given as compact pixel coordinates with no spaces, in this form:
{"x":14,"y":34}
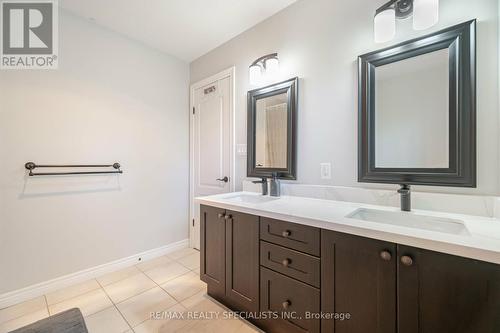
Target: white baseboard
{"x":39,"y":289}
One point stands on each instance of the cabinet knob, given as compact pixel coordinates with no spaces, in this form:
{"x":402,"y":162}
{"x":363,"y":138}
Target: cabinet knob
{"x":286,"y":304}
{"x":386,"y":255}
{"x":406,"y":260}
{"x":228,"y":217}
{"x":286,"y":262}
{"x":221,"y":215}
{"x":286,"y":233}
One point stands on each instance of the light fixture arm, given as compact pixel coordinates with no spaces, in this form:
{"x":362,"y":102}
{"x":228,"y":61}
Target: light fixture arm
{"x":385,"y":6}
{"x":264,"y":58}
{"x":403,"y":8}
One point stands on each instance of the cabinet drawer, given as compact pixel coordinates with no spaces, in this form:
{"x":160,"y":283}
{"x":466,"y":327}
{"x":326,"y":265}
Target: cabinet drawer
{"x":286,"y":296}
{"x":292,"y":235}
{"x":292,"y":263}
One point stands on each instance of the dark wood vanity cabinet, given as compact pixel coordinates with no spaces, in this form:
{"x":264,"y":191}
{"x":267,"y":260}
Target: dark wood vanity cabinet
{"x":230,"y":257}
{"x":254,"y":264}
{"x":394,"y":288}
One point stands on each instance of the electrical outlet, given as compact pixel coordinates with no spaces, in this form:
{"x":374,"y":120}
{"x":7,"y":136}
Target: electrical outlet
{"x":326,"y":170}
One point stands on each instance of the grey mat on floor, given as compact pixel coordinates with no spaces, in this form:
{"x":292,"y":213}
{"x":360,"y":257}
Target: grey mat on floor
{"x":70,"y":321}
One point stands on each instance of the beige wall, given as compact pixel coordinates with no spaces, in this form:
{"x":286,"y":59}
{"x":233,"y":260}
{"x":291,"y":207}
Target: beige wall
{"x":319,"y":41}
{"x":111,"y":99}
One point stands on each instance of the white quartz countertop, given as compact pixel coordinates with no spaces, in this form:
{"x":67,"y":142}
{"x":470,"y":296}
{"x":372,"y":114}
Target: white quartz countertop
{"x":482,"y":241}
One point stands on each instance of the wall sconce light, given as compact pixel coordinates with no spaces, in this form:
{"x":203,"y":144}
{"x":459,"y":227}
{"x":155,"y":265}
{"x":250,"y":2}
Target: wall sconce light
{"x":425,"y":14}
{"x":264,"y":69}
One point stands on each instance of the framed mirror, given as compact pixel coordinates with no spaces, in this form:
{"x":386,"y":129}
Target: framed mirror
{"x":272,"y":117}
{"x":417,"y":111}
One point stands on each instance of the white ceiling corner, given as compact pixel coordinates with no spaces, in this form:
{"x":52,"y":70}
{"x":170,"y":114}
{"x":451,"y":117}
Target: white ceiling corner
{"x":186,"y":29}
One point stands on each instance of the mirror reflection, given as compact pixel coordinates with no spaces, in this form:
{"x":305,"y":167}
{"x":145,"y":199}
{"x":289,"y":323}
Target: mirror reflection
{"x":412,"y":112}
{"x":271,"y":132}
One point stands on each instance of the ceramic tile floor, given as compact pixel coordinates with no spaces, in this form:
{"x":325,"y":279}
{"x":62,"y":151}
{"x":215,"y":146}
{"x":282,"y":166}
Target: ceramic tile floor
{"x":122,"y":301}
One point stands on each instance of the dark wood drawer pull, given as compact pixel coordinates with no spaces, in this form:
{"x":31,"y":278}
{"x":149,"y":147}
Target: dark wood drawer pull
{"x":406,"y":260}
{"x":386,"y":255}
{"x":286,"y":262}
{"x":286,"y":233}
{"x":286,"y":304}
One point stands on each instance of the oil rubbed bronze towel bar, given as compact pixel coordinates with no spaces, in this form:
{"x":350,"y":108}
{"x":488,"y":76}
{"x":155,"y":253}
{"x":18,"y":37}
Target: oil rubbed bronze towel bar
{"x":32,"y":166}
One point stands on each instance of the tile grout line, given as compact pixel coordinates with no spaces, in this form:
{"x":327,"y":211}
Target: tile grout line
{"x":19,"y":316}
{"x":47,"y":305}
{"x":73,"y":297}
{"x":157,"y":286}
{"x":175,"y":299}
{"x":115,"y":306}
{"x":176,"y":261}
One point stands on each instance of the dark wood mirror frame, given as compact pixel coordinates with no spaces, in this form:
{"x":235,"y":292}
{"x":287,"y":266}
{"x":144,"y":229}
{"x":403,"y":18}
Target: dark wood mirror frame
{"x":460,"y":40}
{"x":290,"y":87}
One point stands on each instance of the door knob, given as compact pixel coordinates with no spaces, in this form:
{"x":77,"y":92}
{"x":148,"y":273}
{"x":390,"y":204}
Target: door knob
{"x":225,"y":179}
{"x":221,"y":215}
{"x":286,"y":304}
{"x":385,"y":255}
{"x":228,"y":217}
{"x":286,"y":233}
{"x":286,"y":262}
{"x":406,"y":260}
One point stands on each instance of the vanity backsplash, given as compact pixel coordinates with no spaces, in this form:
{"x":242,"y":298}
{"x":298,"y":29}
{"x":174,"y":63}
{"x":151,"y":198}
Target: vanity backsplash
{"x":487,"y":206}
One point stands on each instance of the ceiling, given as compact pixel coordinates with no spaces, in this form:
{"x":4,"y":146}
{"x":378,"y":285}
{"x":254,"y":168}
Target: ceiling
{"x":186,"y":29}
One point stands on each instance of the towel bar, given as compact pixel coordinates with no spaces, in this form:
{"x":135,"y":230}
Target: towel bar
{"x":32,"y":166}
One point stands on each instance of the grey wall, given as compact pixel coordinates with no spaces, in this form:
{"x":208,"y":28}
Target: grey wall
{"x":319,"y":41}
{"x":111,"y":99}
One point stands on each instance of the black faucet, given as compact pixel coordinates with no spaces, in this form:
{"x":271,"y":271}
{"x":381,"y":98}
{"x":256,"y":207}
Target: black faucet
{"x":263,"y":181}
{"x":405,"y":192}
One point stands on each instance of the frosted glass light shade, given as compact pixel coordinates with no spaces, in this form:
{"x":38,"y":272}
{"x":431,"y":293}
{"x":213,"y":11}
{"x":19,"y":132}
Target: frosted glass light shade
{"x":425,"y":13}
{"x":385,"y":25}
{"x":272,"y":66}
{"x":255,"y":74}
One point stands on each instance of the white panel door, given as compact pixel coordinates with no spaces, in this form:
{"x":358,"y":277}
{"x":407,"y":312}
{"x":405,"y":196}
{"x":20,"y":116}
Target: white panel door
{"x":211,"y":144}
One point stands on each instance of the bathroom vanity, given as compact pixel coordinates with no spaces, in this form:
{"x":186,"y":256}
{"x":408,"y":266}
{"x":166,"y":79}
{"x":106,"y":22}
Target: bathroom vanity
{"x":327,"y":266}
{"x":336,"y":267}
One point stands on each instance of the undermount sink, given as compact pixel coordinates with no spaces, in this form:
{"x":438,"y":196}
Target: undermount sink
{"x":411,"y":220}
{"x":248,"y":198}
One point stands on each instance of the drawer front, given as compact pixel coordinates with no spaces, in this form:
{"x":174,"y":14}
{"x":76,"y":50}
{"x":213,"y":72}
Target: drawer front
{"x":291,"y":299}
{"x":295,"y":236}
{"x":297,"y":265}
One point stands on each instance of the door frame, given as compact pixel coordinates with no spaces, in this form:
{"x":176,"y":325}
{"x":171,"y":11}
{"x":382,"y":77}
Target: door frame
{"x":229,"y":72}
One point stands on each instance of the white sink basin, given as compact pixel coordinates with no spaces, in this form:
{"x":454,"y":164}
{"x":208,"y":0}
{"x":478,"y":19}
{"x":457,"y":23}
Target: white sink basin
{"x":248,"y":198}
{"x":411,"y":220}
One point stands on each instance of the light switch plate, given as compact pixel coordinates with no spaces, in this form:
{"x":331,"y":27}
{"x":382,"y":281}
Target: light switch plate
{"x":326,"y":170}
{"x":241,"y":149}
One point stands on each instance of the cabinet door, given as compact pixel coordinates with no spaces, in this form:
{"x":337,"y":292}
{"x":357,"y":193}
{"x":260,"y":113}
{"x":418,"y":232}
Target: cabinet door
{"x":212,"y":246}
{"x":443,"y":293}
{"x":358,"y":276}
{"x":242,"y":261}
